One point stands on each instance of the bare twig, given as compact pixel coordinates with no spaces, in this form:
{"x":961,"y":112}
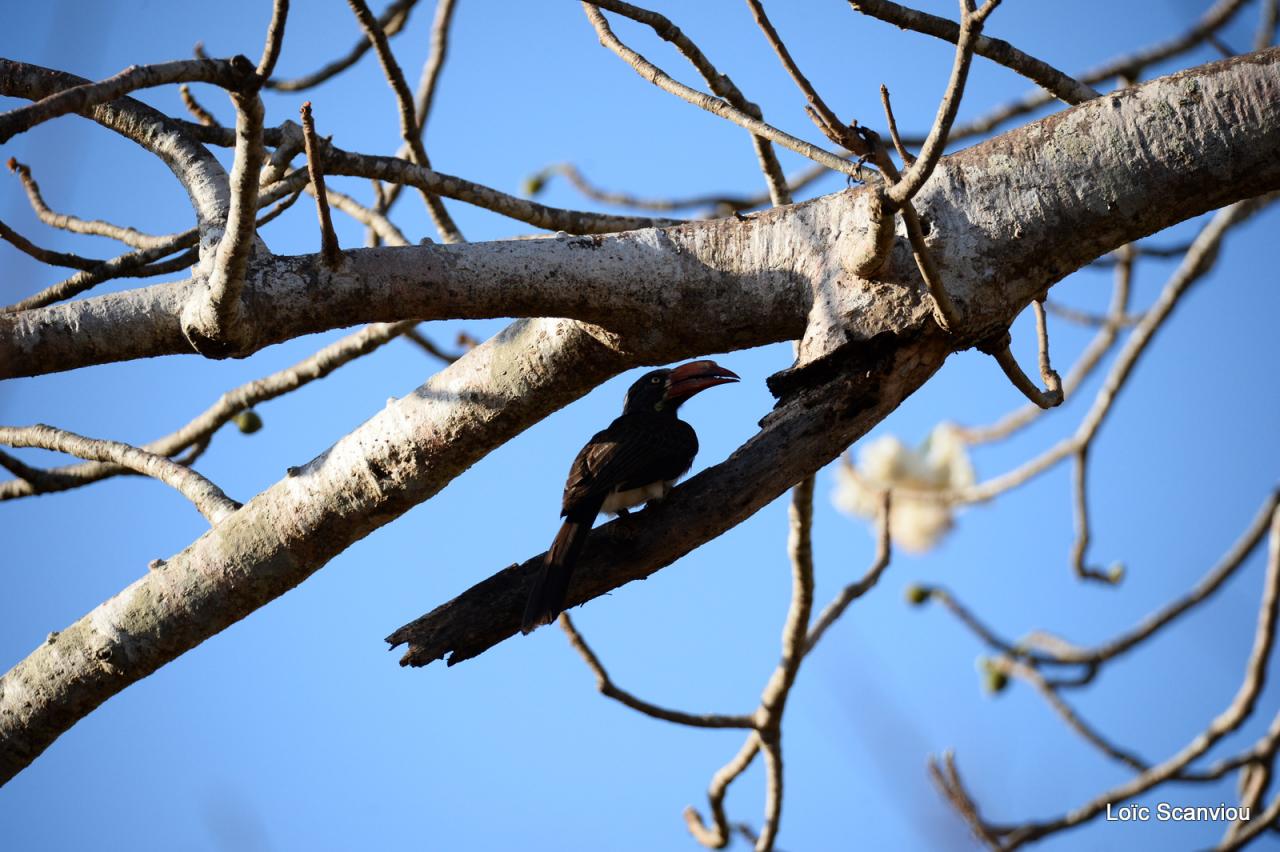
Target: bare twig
{"x":392,"y":170}
{"x":1052,"y":395}
{"x":207,"y":497}
{"x":935,"y":143}
{"x":718,"y":203}
{"x":424,"y":98}
{"x":903,"y":154}
{"x":1099,"y":346}
{"x":44,"y":255}
{"x":1041,"y":651}
{"x":1080,"y":547}
{"x":198,"y":432}
{"x":428,"y":345}
{"x":1240,"y":708}
{"x":822,"y":115}
{"x":275,"y":37}
{"x":234,"y":74}
{"x":408,"y":121}
{"x":385,"y":230}
{"x":1208,"y":585}
{"x":96,"y":227}
{"x":194,"y":107}
{"x":211,"y":320}
{"x":773,"y":700}
{"x":1056,"y":85}
{"x":717,"y":835}
{"x":391,"y":22}
{"x":329,"y":249}
{"x":1061,"y":85}
{"x":850,"y":593}
{"x":719,"y":83}
{"x":714,"y":105}
{"x":1088,"y":318}
{"x":607,"y":688}
{"x":146,"y":262}
{"x":946,"y":314}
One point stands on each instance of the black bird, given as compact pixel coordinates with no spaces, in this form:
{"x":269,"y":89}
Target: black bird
{"x":637,"y":459}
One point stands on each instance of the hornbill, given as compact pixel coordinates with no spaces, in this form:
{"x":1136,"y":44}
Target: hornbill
{"x":637,"y":459}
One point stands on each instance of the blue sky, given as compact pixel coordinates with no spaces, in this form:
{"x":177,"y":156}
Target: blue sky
{"x":296,"y":729}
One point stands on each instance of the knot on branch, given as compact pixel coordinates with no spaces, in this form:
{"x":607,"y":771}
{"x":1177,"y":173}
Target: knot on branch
{"x":216,"y":328}
{"x":246,"y":73}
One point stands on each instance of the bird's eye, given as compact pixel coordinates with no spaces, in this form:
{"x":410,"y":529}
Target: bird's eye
{"x":655,"y":380}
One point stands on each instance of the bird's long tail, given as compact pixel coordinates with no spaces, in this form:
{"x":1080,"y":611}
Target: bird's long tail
{"x":546,"y":599}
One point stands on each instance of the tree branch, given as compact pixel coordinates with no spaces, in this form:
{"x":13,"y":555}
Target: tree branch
{"x":207,"y":497}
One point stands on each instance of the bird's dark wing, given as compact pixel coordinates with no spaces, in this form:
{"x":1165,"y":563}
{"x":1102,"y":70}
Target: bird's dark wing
{"x":636,"y":450}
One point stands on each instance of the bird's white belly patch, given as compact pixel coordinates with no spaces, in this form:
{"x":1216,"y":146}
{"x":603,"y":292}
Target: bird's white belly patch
{"x":635,"y":496}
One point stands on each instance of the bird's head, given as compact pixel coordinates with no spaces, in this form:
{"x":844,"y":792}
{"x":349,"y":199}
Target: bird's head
{"x":668,"y":388}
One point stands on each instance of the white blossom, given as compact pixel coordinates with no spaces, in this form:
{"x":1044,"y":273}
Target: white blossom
{"x":940,"y":464}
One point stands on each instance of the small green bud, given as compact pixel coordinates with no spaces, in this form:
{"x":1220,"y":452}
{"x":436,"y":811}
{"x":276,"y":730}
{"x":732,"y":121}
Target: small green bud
{"x":1116,"y":573}
{"x":994,"y":678}
{"x":248,"y":421}
{"x":917,"y":594}
{"x":533,"y":184}
{"x":995,"y":682}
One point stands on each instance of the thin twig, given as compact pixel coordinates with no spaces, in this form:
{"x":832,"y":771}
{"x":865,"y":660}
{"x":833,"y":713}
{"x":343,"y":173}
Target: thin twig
{"x":720,"y":204}
{"x":329,"y":249}
{"x":408,"y":122}
{"x":198,"y":432}
{"x":1056,"y":85}
{"x":428,"y":345}
{"x":207,"y":497}
{"x":391,"y":22}
{"x":1240,"y":708}
{"x":850,"y":593}
{"x":717,"y":835}
{"x":822,"y":115}
{"x":713,"y":105}
{"x":610,"y":690}
{"x":903,"y":153}
{"x":1088,"y":361}
{"x":1061,"y":85}
{"x":385,"y":230}
{"x":946,"y":314}
{"x":44,"y":255}
{"x":231,"y":261}
{"x":392,"y":170}
{"x":275,"y":37}
{"x":233,"y":74}
{"x":720,"y":84}
{"x":1080,"y":547}
{"x":95,"y":227}
{"x":194,"y":107}
{"x":935,"y":143}
{"x":424,"y":98}
{"x":1052,"y":395}
{"x":147,"y":262}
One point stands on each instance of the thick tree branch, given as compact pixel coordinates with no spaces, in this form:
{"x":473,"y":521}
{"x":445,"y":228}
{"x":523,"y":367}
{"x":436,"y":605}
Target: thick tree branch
{"x":635,"y":280}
